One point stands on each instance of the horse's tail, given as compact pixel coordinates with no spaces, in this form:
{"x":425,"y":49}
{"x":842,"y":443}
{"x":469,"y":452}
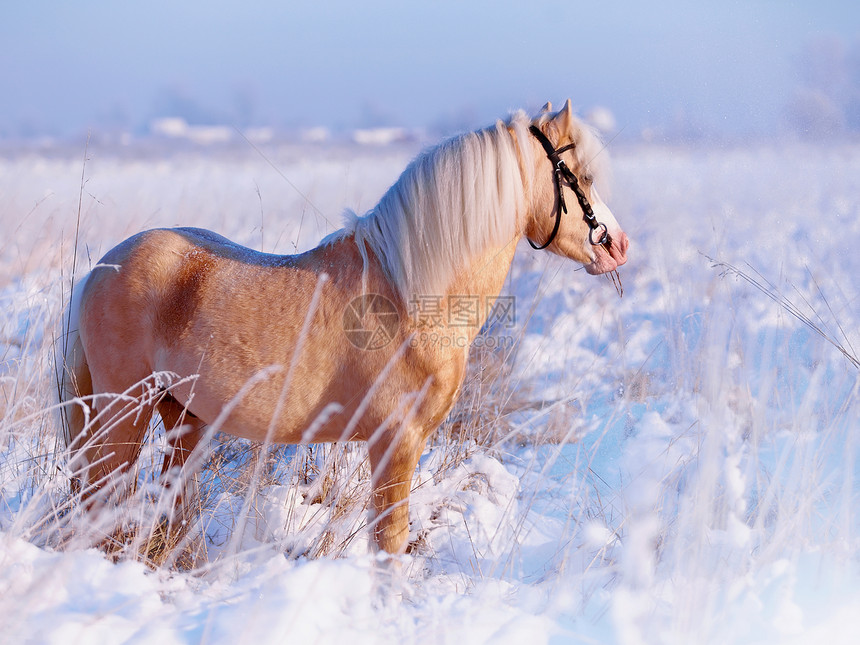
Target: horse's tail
{"x":74,"y":385}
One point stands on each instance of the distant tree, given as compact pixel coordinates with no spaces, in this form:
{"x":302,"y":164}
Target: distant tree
{"x":812,"y":113}
{"x":244,"y":104}
{"x":852,"y":96}
{"x":178,"y":101}
{"x":827,"y":100}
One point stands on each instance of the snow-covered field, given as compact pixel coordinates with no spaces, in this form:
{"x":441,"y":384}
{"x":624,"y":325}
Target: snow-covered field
{"x":676,"y":466}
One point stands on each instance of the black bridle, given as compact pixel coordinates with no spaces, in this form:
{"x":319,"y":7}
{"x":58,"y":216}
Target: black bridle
{"x":564,"y":174}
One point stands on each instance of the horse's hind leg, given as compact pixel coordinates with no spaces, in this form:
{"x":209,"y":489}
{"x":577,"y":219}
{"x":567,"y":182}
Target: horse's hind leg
{"x":184,"y":431}
{"x":76,"y":390}
{"x":112,"y":445}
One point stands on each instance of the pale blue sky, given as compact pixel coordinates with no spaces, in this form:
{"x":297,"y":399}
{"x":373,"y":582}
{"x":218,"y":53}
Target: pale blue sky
{"x":727,"y":66}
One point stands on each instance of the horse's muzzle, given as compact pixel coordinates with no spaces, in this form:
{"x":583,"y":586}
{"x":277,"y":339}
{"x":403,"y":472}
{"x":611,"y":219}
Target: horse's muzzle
{"x":609,"y":257}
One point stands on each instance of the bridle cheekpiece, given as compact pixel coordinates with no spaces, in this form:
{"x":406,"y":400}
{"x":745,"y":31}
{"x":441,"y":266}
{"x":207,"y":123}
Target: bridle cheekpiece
{"x":563,"y":174}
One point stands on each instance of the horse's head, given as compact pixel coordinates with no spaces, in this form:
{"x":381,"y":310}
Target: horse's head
{"x":568,"y":217}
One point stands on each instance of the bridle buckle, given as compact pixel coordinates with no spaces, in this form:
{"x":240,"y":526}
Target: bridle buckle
{"x":604,"y":238}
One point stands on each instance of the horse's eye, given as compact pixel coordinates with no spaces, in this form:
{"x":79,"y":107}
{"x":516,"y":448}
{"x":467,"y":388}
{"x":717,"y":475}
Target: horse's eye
{"x":588,"y":179}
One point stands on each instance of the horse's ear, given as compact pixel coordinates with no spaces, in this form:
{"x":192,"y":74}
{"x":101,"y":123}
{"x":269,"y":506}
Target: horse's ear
{"x":568,"y":108}
{"x":564,"y":119}
{"x":546,"y":108}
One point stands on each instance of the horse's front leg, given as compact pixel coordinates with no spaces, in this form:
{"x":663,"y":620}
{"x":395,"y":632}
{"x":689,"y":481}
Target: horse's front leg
{"x":393,"y":458}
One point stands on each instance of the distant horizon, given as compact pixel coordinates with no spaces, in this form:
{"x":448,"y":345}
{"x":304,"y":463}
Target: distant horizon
{"x":712,"y":70}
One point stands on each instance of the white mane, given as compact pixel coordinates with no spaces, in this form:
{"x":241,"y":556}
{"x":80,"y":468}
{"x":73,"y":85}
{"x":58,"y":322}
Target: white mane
{"x":450,"y":204}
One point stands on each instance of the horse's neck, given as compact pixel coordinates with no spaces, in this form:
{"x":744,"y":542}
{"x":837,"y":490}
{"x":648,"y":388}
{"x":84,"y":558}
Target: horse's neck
{"x":484,"y":277}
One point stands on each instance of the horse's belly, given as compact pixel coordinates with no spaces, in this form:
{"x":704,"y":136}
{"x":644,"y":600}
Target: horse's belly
{"x":264,"y":404}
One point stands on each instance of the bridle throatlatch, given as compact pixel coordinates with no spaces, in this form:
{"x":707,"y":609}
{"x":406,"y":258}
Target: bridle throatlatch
{"x":563,"y":174}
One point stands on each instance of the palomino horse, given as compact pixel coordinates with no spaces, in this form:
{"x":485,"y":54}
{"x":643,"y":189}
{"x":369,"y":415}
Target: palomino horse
{"x":322,"y":346}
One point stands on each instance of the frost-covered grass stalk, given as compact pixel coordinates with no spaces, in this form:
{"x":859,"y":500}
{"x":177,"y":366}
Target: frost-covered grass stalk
{"x":675,"y":466}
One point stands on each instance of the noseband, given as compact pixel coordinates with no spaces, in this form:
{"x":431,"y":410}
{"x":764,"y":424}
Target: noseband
{"x":563,"y":174}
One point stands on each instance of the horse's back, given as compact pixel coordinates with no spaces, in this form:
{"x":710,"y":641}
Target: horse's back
{"x":164,"y":258}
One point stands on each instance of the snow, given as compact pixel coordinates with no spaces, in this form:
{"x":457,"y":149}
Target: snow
{"x":379,"y":136}
{"x":675,"y":466}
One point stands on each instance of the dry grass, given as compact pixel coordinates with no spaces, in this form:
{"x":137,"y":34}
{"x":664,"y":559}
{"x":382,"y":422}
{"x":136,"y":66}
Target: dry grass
{"x":332,"y":481}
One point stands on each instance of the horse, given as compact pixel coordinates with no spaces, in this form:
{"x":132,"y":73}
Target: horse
{"x":326,"y":345}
